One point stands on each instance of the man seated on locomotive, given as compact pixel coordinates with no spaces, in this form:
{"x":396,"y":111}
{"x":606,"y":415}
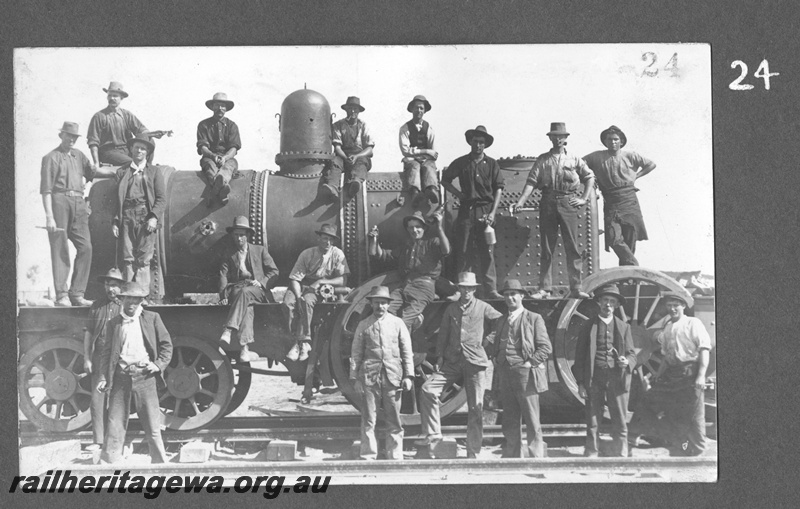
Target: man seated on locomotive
{"x":141,"y":196}
{"x":463,"y":361}
{"x":482,"y":185}
{"x":94,"y":340}
{"x":420,"y":263}
{"x":604,"y":361}
{"x":677,"y":394}
{"x":616,"y":172}
{"x":245,"y":278}
{"x":559,"y":176}
{"x":352,"y":147}
{"x":137,"y":351}
{"x":323,"y":264}
{"x":381,"y":361}
{"x":419,"y":156}
{"x":218,"y":142}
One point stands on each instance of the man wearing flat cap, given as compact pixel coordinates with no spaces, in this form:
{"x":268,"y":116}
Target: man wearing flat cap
{"x":559,"y":176}
{"x":94,"y":340}
{"x":141,"y":201}
{"x":112,"y":128}
{"x":521,"y":348}
{"x":461,"y":356}
{"x":218,"y":142}
{"x":381,"y":362}
{"x":419,"y":156}
{"x":136,"y":353}
{"x":66,"y":214}
{"x":352,"y":147}
{"x":616,"y":172}
{"x":419,"y":262}
{"x":604,"y":361}
{"x":323,"y":264}
{"x":245,"y":277}
{"x":482,"y":184}
{"x":677,"y":393}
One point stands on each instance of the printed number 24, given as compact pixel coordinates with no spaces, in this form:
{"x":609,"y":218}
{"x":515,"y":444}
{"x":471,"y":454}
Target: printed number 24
{"x":762,"y":72}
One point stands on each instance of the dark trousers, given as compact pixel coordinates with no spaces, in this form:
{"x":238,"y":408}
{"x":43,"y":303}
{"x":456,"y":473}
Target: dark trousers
{"x":420,"y":175}
{"x":520,"y":405}
{"x":472,"y":251}
{"x":240,"y":316}
{"x":145,"y":397}
{"x":300,"y":311}
{"x":382,"y":394}
{"x":472,"y":378}
{"x":353,"y":172}
{"x":622,"y":237}
{"x":211,"y":170}
{"x":98,"y":405}
{"x":117,"y":156}
{"x":138,"y":245}
{"x":556,"y":213}
{"x":607,"y":388}
{"x":409,"y":301}
{"x":71,"y":214}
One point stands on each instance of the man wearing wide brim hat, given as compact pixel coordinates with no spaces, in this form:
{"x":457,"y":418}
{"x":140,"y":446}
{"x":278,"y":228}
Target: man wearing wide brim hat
{"x":481,"y":187}
{"x":141,"y":201}
{"x":246,"y":277}
{"x":604,"y":361}
{"x":461,"y":355}
{"x":521,"y":347}
{"x":419,"y":261}
{"x":559,"y":175}
{"x":419,"y":156}
{"x":66,"y":214}
{"x":218,"y":142}
{"x":323,"y":264}
{"x":111,"y":128}
{"x":617,"y":172}
{"x":135,"y":355}
{"x":352,"y":147}
{"x":674,"y":408}
{"x":381,"y":362}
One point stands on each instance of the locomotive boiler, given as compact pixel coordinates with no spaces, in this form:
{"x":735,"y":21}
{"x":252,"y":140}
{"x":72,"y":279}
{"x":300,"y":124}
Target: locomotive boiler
{"x":205,"y":381}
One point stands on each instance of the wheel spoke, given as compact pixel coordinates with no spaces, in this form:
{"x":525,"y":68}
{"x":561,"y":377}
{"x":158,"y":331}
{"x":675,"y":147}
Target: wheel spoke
{"x":203,"y":376}
{"x":194,"y":406}
{"x":180,"y":357}
{"x":55,"y":356}
{"x":206,"y":392}
{"x":74,"y":404}
{"x":41,"y":367}
{"x":177,"y":407}
{"x":37,"y":384}
{"x":581,"y":315}
{"x":42,"y":402}
{"x":81,"y":390}
{"x":72,"y":362}
{"x":196,"y":360}
{"x":164,"y":396}
{"x":635,"y":317}
{"x":652,"y":309}
{"x":59,"y":407}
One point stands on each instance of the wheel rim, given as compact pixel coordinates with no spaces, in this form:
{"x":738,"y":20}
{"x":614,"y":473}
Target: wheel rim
{"x":241,"y":384}
{"x":643,"y":310}
{"x":199,"y":383}
{"x":347,"y":320}
{"x":55,"y":392}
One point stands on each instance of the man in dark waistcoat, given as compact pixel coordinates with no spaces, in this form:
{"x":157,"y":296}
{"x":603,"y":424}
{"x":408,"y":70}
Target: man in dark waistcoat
{"x":352,"y":148}
{"x":419,"y":156}
{"x":218,"y":142}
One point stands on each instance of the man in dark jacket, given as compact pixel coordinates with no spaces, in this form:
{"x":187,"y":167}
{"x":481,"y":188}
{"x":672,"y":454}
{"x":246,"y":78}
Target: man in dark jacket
{"x":137,"y":352}
{"x":521,"y":347}
{"x":218,"y":142}
{"x":245,"y":278}
{"x":604,"y":361}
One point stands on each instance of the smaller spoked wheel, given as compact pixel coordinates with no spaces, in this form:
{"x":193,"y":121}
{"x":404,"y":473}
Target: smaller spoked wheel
{"x":199,"y":385}
{"x":55,"y":392}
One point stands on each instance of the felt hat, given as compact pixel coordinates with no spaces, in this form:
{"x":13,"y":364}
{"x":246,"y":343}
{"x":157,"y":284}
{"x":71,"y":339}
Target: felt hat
{"x":513,"y":285}
{"x":241,"y":223}
{"x":353,"y":101}
{"x":144,"y":138}
{"x":558,"y":128}
{"x":670,"y":295}
{"x":70,"y":128}
{"x":467,"y":279}
{"x":329,"y":230}
{"x":134,"y":289}
{"x":416,"y":215}
{"x":113,"y":273}
{"x":221,"y":97}
{"x":614,"y":130}
{"x":611,"y":289}
{"x":420,"y":98}
{"x":379,"y":292}
{"x":116,"y":86}
{"x":479,"y":131}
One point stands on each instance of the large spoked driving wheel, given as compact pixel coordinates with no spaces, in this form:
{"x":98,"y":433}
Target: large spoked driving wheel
{"x":644,"y":311}
{"x":199,"y":385}
{"x":347,"y":320}
{"x":54,"y":389}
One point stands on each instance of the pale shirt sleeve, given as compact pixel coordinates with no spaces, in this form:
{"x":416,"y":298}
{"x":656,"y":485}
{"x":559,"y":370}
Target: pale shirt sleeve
{"x":405,"y":144}
{"x":638,"y":161}
{"x":533,"y":175}
{"x":366,"y":137}
{"x":336,"y":134}
{"x":700,"y":333}
{"x":340,"y":267}
{"x":300,"y":269}
{"x":583,"y":170}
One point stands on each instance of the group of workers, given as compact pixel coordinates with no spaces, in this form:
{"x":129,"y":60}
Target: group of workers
{"x":126,"y":360}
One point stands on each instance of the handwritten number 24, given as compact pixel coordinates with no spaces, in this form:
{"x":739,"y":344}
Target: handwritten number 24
{"x":762,"y":72}
{"x":651,"y":71}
